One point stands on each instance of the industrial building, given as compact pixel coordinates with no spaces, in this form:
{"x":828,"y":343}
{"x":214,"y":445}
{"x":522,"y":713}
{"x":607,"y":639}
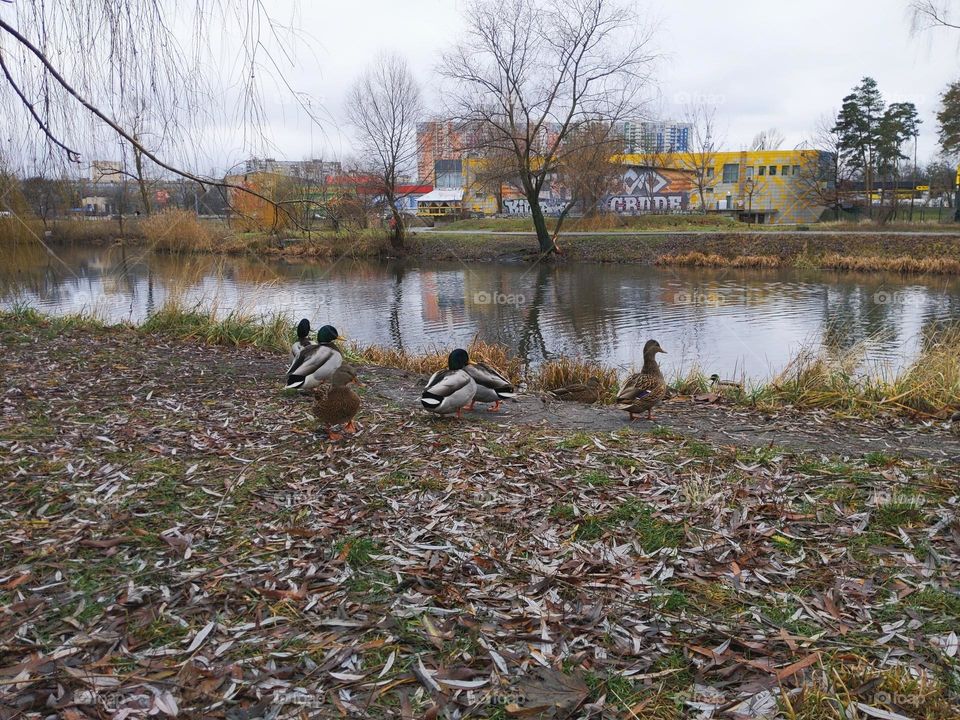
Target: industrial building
{"x":765,"y":187}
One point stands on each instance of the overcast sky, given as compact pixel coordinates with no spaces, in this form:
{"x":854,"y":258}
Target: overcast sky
{"x":768,"y":64}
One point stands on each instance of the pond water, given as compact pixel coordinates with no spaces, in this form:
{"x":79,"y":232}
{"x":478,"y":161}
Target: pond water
{"x":738,"y":323}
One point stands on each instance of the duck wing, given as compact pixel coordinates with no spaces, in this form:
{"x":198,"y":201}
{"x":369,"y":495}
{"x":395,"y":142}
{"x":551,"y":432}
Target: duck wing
{"x":309,"y":361}
{"x":638,"y":387}
{"x":297,"y":348}
{"x":312,"y":357}
{"x":443,"y":384}
{"x":490,"y":377}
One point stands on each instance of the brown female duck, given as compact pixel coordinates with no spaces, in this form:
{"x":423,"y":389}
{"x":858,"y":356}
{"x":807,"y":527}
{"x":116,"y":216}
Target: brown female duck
{"x":340,"y":403}
{"x":642,"y":391}
{"x":588,"y":392}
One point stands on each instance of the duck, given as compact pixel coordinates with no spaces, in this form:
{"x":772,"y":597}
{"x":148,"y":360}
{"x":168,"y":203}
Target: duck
{"x":492,"y":386}
{"x":642,"y":391}
{"x":716,"y":382}
{"x":303,"y":339}
{"x":449,"y":391}
{"x":340,"y":403}
{"x":314,"y":364}
{"x":588,"y":392}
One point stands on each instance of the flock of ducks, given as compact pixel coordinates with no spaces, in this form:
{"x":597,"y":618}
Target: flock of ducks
{"x":449,"y":391}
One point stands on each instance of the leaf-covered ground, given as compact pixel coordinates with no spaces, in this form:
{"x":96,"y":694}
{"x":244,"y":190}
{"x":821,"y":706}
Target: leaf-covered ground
{"x":176,"y":539}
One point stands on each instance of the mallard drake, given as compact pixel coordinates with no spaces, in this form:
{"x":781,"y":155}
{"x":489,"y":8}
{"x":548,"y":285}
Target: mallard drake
{"x":315,"y":363}
{"x":716,"y":382}
{"x":492,"y":386}
{"x":642,"y":391}
{"x":588,"y":392}
{"x":449,"y":391}
{"x":340,"y":403}
{"x":303,"y":339}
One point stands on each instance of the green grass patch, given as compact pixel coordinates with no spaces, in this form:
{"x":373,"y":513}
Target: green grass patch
{"x":595,"y":478}
{"x":359,"y":550}
{"x":577,"y":440}
{"x":900,"y":509}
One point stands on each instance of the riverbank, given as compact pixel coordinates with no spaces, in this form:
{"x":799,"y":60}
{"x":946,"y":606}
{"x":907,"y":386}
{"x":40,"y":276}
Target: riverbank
{"x":926,"y":390}
{"x":923,"y":249}
{"x":899,"y":252}
{"x":178,"y":536}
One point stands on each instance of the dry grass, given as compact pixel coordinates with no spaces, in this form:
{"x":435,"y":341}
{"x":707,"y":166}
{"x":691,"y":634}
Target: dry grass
{"x":932,"y":383}
{"x":699,"y":259}
{"x":95,"y":230}
{"x":929,"y":386}
{"x":327,"y":244}
{"x":183,"y":231}
{"x":15,"y":231}
{"x":560,"y":372}
{"x":899,"y":264}
{"x":830,"y":261}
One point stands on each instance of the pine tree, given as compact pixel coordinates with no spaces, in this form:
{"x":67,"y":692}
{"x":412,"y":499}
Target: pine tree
{"x":949,"y":119}
{"x":858,"y":125}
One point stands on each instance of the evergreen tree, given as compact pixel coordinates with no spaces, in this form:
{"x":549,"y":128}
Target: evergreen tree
{"x":949,"y":119}
{"x":900,"y":123}
{"x":858,"y":125}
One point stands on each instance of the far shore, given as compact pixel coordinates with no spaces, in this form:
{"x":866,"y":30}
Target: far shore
{"x":923,"y":248}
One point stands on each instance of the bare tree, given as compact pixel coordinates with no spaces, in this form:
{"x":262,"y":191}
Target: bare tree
{"x":701,"y":154}
{"x":529,"y":73}
{"x":384,"y":107}
{"x":770,"y":139}
{"x":929,"y":14}
{"x":587,"y":169}
{"x":825,"y":173}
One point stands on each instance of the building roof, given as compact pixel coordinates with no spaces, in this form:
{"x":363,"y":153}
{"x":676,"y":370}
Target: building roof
{"x":411,"y":189}
{"x":442,"y":195}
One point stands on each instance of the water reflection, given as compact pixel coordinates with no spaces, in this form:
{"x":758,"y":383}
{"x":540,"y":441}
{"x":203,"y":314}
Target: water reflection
{"x":728,"y":321}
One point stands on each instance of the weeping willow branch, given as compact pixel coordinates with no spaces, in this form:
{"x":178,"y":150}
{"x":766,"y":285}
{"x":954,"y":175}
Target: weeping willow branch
{"x":130,"y":138}
{"x":72,"y":155}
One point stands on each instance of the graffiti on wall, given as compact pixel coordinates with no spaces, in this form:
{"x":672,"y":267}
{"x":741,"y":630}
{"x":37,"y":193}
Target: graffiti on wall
{"x":643,"y":190}
{"x":520,"y":206}
{"x":647,"y":190}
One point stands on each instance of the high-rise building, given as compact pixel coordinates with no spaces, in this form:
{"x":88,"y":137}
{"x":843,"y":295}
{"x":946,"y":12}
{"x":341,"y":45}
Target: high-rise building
{"x":306,"y":169}
{"x":660,"y":137}
{"x":437,"y":140}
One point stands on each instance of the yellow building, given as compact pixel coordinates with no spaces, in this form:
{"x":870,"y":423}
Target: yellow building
{"x":766,"y":186}
{"x":763,"y":186}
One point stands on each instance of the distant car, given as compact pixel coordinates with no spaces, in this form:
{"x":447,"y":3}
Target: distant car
{"x":6,"y":213}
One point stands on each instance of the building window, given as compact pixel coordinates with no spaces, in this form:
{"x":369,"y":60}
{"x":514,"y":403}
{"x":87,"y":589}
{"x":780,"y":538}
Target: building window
{"x":731,"y":172}
{"x":785,"y":170}
{"x":796,"y":169}
{"x":773,"y":170}
{"x":709,"y":173}
{"x":749,"y":172}
{"x":763,"y":170}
